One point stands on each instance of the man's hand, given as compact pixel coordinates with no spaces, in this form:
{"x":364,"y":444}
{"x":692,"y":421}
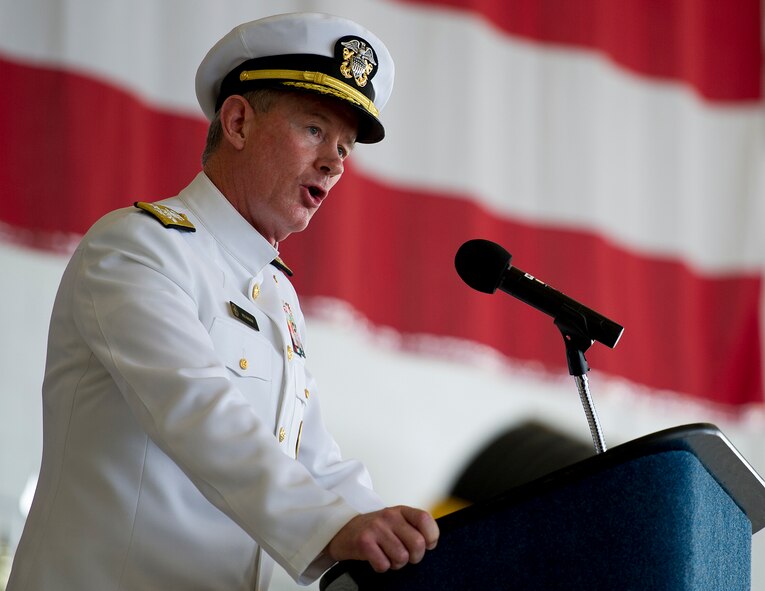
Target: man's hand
{"x":389,"y":538}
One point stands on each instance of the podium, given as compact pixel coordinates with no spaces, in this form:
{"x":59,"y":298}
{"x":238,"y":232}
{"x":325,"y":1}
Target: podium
{"x":674,"y":510}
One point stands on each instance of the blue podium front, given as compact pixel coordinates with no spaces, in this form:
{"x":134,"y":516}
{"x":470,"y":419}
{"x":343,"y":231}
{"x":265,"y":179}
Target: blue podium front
{"x":674,"y":511}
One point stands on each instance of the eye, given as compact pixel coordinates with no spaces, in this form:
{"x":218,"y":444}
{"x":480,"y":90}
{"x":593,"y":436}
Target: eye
{"x":313,"y":130}
{"x":342,"y":152}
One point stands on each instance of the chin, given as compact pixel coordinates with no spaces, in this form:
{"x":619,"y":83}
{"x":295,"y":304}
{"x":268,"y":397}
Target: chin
{"x":294,"y":229}
{"x":302,"y":222}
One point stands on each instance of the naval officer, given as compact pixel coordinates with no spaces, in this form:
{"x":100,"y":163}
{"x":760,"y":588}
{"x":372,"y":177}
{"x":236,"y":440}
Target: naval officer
{"x":183,"y":442}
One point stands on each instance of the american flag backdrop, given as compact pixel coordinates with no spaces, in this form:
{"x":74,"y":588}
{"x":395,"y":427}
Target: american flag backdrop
{"x":615,"y":148}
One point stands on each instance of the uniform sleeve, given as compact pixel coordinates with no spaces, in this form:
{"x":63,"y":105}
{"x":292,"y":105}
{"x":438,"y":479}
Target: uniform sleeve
{"x":348,"y":478}
{"x":136,"y":307}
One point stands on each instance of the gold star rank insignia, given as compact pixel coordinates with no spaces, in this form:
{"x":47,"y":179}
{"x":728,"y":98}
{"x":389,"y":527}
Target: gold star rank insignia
{"x":169,"y":217}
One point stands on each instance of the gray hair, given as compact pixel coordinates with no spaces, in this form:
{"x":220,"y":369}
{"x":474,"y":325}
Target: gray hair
{"x":261,"y":100}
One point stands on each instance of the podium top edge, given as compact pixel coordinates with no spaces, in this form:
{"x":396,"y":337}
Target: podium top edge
{"x":704,"y":440}
{"x":720,"y":458}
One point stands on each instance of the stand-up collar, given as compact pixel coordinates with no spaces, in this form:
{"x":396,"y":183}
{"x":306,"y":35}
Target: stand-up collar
{"x":226,"y":225}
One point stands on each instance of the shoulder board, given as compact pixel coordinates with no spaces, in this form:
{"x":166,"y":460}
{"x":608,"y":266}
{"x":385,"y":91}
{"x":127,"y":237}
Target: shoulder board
{"x":279,"y":264}
{"x":169,"y":217}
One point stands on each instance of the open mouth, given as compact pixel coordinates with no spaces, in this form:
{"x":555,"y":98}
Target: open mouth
{"x":316,"y":192}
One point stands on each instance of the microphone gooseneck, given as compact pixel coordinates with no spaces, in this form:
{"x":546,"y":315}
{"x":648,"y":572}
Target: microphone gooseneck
{"x":485,"y":266}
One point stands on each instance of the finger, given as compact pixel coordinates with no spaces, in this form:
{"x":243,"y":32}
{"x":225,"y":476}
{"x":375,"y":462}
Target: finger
{"x":395,"y":543}
{"x":371,"y":550}
{"x":424,"y":523}
{"x":379,"y":562}
{"x":406,"y":535}
{"x":384,"y":538}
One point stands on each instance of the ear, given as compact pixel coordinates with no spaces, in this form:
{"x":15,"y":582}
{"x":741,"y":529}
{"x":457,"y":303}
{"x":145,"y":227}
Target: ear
{"x":235,"y":115}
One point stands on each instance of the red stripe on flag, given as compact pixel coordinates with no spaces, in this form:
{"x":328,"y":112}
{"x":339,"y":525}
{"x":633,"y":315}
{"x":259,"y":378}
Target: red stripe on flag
{"x":390,"y":254}
{"x":76,"y":148}
{"x":714,"y":46}
{"x":385,"y":250}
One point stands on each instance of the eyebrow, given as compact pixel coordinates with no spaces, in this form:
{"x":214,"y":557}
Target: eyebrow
{"x":319,"y":115}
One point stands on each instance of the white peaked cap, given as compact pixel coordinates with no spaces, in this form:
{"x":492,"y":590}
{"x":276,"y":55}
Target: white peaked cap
{"x":310,"y":52}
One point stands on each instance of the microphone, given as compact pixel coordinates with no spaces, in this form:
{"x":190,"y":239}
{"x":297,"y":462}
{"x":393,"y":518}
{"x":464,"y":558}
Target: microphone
{"x":485,"y":266}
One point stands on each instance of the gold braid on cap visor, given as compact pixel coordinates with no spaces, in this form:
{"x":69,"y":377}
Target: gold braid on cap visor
{"x":314,"y":81}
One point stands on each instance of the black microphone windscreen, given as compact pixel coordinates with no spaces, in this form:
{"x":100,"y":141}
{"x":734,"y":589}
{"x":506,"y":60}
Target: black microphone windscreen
{"x":481,"y":264}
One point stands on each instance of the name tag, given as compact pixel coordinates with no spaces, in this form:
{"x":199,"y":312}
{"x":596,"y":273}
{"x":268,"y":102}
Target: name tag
{"x":244,"y":316}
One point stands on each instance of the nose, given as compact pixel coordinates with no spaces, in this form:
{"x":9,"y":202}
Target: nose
{"x":330,"y":162}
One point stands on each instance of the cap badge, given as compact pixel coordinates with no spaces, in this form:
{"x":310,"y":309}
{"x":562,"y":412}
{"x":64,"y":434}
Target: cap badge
{"x":358,"y":60}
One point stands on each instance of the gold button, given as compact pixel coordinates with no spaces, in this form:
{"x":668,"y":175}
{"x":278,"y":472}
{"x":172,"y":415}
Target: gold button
{"x":255,"y":291}
{"x":243,"y":363}
{"x":289,"y":352}
{"x":282,"y":434}
{"x":307,"y":393}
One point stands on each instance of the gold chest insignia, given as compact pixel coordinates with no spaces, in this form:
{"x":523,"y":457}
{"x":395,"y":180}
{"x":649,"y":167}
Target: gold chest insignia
{"x":169,"y":217}
{"x":358,"y":60}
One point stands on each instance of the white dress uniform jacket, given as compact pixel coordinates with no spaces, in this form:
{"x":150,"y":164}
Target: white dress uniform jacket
{"x":172,"y":419}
